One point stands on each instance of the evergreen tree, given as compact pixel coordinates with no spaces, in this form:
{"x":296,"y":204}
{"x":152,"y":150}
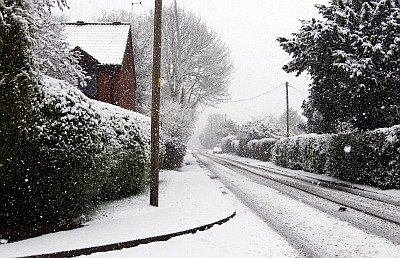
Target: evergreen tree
{"x":18,"y":87}
{"x":19,"y":110}
{"x":353,"y":58}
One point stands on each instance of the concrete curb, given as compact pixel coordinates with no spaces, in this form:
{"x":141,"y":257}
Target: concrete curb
{"x":129,"y":244}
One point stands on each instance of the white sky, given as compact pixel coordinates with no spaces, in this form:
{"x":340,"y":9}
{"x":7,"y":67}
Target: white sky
{"x":249,"y":28}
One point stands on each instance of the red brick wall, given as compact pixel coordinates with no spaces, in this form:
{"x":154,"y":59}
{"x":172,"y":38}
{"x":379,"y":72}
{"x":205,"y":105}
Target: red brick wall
{"x":107,"y":78}
{"x":117,"y":84}
{"x":125,"y":90}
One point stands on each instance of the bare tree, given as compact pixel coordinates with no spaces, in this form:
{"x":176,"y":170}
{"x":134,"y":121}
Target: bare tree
{"x":196,"y":65}
{"x":295,"y":122}
{"x":114,"y":16}
{"x":177,"y":121}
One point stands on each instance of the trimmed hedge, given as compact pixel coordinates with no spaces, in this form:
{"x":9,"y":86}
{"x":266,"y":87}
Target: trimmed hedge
{"x":126,"y":151}
{"x":226,"y":143}
{"x":371,"y":158}
{"x":257,"y":149}
{"x":307,"y":152}
{"x":82,"y":152}
{"x":260,"y":149}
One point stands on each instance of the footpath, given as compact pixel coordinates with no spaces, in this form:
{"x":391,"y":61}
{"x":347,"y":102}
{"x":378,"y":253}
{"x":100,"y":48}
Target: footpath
{"x":188,"y":201}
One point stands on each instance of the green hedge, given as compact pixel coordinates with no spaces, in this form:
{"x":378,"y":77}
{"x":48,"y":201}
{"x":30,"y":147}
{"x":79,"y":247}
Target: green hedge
{"x":308,"y":152}
{"x":260,"y":149}
{"x":174,"y":153}
{"x":371,"y":158}
{"x":256,"y":149}
{"x":81,"y":152}
{"x":126,"y":150}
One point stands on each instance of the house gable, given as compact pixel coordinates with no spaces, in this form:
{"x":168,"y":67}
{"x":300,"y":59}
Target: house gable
{"x":107,"y":57}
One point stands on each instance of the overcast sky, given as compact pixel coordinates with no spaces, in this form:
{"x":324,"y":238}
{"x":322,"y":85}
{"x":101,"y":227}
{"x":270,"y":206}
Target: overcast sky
{"x":249,"y":28}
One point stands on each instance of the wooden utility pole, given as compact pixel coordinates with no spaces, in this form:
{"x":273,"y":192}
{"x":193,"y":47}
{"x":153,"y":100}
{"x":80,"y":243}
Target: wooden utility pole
{"x":155,"y":106}
{"x":287,"y":110}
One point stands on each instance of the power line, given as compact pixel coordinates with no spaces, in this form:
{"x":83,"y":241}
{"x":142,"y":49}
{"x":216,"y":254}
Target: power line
{"x":299,"y":91}
{"x":262,"y":94}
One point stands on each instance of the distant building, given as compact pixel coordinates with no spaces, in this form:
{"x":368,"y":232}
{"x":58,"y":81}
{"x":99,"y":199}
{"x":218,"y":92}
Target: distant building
{"x":107,"y":57}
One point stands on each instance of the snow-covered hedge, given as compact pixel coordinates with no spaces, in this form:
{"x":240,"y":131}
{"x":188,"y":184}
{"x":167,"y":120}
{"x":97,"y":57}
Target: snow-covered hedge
{"x":172,"y":155}
{"x":226,"y":143}
{"x":126,"y":145}
{"x":260,"y":149}
{"x":83,"y":152}
{"x":371,"y":158}
{"x":308,"y":152}
{"x":256,"y":149}
{"x":235,"y":145}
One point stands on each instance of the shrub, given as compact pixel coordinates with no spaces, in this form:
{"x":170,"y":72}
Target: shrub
{"x":308,"y":152}
{"x":174,"y":155}
{"x":235,"y":146}
{"x":261,"y":149}
{"x":81,"y":152}
{"x":126,"y":150}
{"x":226,"y":143}
{"x":371,"y":158}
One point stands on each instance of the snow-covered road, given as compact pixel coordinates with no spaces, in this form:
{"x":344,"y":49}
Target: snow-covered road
{"x":268,"y":222}
{"x":314,"y":232}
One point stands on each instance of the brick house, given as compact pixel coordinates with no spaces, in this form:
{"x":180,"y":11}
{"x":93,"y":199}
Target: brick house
{"x":106,"y":52}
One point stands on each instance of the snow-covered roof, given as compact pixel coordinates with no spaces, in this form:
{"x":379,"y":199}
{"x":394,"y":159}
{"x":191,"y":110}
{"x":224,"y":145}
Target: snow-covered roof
{"x":105,"y":42}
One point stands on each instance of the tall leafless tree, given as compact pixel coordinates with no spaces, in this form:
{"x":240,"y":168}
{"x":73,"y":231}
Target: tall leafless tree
{"x":196,"y":65}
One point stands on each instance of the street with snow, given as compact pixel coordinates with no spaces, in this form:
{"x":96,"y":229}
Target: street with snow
{"x":267,"y":222}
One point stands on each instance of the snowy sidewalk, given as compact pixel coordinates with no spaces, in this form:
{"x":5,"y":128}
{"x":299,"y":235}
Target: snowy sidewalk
{"x":188,"y":199}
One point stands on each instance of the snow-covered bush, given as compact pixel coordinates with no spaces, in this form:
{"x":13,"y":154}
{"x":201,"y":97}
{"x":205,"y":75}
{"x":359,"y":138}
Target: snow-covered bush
{"x":235,"y":146}
{"x":82,"y":152}
{"x":18,"y":81}
{"x":371,"y":157}
{"x":260,"y":149}
{"x":226,"y":144}
{"x":256,"y":130}
{"x":126,"y":145}
{"x":368,"y":158}
{"x":308,"y":152}
{"x":68,"y":170}
{"x":173,"y":155}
